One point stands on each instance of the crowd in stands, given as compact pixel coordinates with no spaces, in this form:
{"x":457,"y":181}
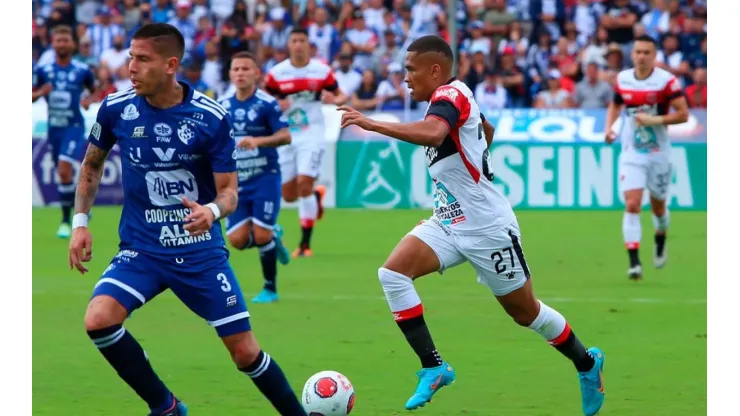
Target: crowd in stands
{"x":512,"y":53}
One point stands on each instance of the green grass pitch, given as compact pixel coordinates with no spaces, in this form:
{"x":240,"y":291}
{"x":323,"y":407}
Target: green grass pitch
{"x":332,"y":315}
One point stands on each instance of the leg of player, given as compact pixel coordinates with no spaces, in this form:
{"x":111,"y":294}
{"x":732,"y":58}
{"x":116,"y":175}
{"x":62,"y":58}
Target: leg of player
{"x":411,"y":259}
{"x":264,"y":372}
{"x":250,"y":235}
{"x":66,"y":189}
{"x":632,"y":231}
{"x":309,"y":206}
{"x":104,"y":324}
{"x":661,"y":221}
{"x":522,"y":305}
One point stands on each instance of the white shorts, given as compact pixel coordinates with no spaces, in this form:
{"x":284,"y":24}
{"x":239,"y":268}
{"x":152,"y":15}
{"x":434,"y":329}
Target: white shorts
{"x":653,"y":174}
{"x":301,"y":157}
{"x":497,"y":257}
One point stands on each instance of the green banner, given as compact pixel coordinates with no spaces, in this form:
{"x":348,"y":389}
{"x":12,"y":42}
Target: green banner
{"x":390,"y":174}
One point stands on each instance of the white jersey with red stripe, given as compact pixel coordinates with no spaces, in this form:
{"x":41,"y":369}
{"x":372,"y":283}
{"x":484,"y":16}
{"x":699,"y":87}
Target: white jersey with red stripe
{"x":465,"y":199}
{"x":652,"y":95}
{"x":303,"y":86}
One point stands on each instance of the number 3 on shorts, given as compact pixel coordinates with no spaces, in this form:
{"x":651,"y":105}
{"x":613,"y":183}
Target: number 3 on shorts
{"x":225,"y":285}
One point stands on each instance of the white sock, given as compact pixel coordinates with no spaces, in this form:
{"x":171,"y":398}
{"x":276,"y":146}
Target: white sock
{"x":400,"y":294}
{"x":661,"y":223}
{"x":308,"y":210}
{"x":551,"y":325}
{"x":631,"y":230}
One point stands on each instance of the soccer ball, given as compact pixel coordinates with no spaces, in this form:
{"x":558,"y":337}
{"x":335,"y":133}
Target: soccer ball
{"x":328,"y":393}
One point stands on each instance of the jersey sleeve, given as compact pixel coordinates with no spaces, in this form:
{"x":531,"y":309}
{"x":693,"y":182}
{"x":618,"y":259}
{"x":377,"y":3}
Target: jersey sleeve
{"x":222,"y":148}
{"x":449,"y":105}
{"x":276,"y":118}
{"x":672,"y":90}
{"x":89,"y":80}
{"x":617,"y":96}
{"x":101,"y":133}
{"x":39,"y":77}
{"x":272,"y":86}
{"x":330,"y":82}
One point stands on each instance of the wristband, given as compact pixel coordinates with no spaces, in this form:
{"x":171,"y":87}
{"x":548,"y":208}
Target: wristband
{"x":214,"y":208}
{"x":79,"y":220}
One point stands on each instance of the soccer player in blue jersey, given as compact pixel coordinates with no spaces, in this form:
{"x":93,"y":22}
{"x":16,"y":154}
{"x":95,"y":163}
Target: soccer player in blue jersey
{"x":62,"y":83}
{"x":260,"y":127}
{"x":179,"y":178}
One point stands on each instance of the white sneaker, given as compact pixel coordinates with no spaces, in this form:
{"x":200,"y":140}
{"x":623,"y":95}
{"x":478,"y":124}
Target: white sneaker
{"x":660,"y":261}
{"x":635,"y":273}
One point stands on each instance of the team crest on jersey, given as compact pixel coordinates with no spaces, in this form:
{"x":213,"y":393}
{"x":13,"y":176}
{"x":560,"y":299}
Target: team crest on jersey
{"x":184,"y":133}
{"x":130,"y":113}
{"x":239,"y":113}
{"x":71,"y":77}
{"x":252,"y":115}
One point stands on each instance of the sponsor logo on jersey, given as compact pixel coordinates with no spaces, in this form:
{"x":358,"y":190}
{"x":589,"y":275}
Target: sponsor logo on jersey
{"x":240,"y":126}
{"x":95,"y":131}
{"x":138,"y":132}
{"x":450,"y":93}
{"x":164,"y":155}
{"x":169,"y":187}
{"x":130,"y":113}
{"x":239,"y":113}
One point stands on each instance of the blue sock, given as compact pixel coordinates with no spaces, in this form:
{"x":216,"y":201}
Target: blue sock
{"x":131,"y":363}
{"x":66,"y":200}
{"x":269,"y":378}
{"x":268,"y":258}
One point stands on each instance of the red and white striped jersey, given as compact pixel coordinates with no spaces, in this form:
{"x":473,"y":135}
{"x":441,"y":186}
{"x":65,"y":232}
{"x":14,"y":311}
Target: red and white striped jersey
{"x":652,"y":95}
{"x":303,"y":86}
{"x":465,"y":198}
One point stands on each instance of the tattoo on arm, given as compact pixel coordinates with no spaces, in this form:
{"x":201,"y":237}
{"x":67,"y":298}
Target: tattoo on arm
{"x":90,"y":174}
{"x":226,"y":202}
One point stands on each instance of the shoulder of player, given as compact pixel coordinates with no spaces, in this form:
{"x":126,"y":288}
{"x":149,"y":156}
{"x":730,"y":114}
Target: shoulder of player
{"x":118,"y":100}
{"x":208,"y":105}
{"x":663,"y":75}
{"x":264,"y":96}
{"x":456,"y":93}
{"x":80,"y":65}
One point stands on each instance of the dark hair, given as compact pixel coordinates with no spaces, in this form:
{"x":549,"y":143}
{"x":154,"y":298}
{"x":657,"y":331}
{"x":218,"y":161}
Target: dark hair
{"x":243,"y":55}
{"x":167,"y":39}
{"x":431,"y":43}
{"x":298,"y":31}
{"x":62,"y":30}
{"x":647,"y":38}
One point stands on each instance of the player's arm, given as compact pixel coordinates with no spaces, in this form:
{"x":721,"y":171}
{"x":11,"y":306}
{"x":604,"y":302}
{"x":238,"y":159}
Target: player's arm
{"x":612,"y":114}
{"x":331,"y":93}
{"x":272,"y":87}
{"x":89,"y":84}
{"x":428,"y":132}
{"x":227,"y":192}
{"x":488,"y":130}
{"x":279,"y":124}
{"x":677,"y":100}
{"x":41,"y":87}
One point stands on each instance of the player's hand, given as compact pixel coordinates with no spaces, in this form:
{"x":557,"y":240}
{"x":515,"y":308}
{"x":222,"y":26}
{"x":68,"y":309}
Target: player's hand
{"x":247,"y":143}
{"x":610,"y":137}
{"x":328,"y":97}
{"x":80,"y":249}
{"x":352,"y":116}
{"x":644,"y":119}
{"x":200,"y":219}
{"x":45,"y":89}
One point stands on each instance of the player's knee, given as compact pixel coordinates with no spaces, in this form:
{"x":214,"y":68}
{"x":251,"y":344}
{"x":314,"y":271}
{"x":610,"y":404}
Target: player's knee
{"x":103,"y":312}
{"x":632,"y":205}
{"x":391,"y":279}
{"x":245,"y":353}
{"x":65,"y":172}
{"x":290,"y":192}
{"x":659,"y":208}
{"x":305,"y":185}
{"x":262,"y":236}
{"x":238,"y":240}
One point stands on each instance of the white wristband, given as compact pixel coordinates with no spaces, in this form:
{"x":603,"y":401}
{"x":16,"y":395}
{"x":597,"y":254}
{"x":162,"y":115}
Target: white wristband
{"x":79,"y":220}
{"x":214,"y":208}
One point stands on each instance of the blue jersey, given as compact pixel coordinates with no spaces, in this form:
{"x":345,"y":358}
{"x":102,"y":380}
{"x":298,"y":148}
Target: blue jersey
{"x":166,"y":154}
{"x":257,"y":116}
{"x":67,"y":85}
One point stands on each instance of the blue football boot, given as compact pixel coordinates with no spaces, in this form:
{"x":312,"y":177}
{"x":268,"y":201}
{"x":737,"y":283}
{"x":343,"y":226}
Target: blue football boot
{"x":179,"y":409}
{"x":592,"y":384}
{"x":265,"y":296}
{"x":430,"y":380}
{"x":283,"y":255}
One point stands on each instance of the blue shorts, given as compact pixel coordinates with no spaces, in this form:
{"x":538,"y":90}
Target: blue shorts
{"x":259,"y":202}
{"x":204,"y":282}
{"x":67,"y":144}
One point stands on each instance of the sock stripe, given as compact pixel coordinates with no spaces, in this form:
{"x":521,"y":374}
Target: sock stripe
{"x":267,"y":247}
{"x":562,"y":337}
{"x":109,"y":340}
{"x":405,"y":314}
{"x":66,"y":188}
{"x":264,"y":364}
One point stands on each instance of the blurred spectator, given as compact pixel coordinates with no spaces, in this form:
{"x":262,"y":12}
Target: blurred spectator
{"x":40,"y":40}
{"x":392,"y":92}
{"x":387,"y":51}
{"x":117,"y":55}
{"x":373,"y":15}
{"x":131,"y":15}
{"x":214,"y":66}
{"x":183,"y":22}
{"x":322,"y":34}
{"x":84,"y":53}
{"x":425,"y":17}
{"x":477,"y":42}
{"x":102,"y":33}
{"x":347,"y":78}
{"x":365,"y":97}
{"x":104,"y":85}
{"x":515,"y":41}
{"x":696,"y":94}
{"x":698,"y":59}
{"x":564,"y":59}
{"x":476,"y":73}
{"x":162,"y":11}
{"x":618,"y":20}
{"x":539,"y":56}
{"x":670,"y":57}
{"x":490,"y":94}
{"x":193,"y":76}
{"x":496,"y":20}
{"x":363,"y":41}
{"x":122,"y":81}
{"x":276,"y":34}
{"x":592,"y":92}
{"x":85,"y":11}
{"x":512,"y":78}
{"x":554,"y":96}
{"x":692,"y":35}
{"x":614,"y":63}
{"x":596,"y":50}
{"x":656,"y":21}
{"x":585,"y":20}
{"x":547,"y":15}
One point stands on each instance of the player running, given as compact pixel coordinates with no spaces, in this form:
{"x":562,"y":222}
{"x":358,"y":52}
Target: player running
{"x":260,"y":127}
{"x":179,"y":178}
{"x":62,"y":83}
{"x":302,"y":84}
{"x":645,"y":161}
{"x":472,"y":222}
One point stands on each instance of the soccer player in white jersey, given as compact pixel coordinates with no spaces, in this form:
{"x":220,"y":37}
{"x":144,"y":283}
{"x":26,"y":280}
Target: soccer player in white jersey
{"x":303,"y":84}
{"x":648,"y":92}
{"x":472,"y":222}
